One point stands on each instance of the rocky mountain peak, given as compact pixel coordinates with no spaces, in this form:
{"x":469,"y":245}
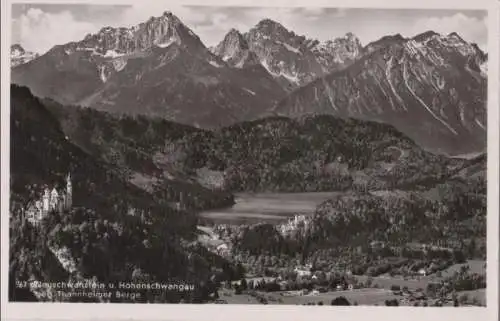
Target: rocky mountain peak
{"x":19,"y":56}
{"x":161,"y":31}
{"x":455,"y":36}
{"x":425,"y":36}
{"x":234,"y":50}
{"x":384,"y":42}
{"x":452,"y":39}
{"x":348,"y":42}
{"x":351,"y":37}
{"x":235,"y":40}
{"x":269,"y":23}
{"x":452,"y":43}
{"x":338,"y":51}
{"x":16,"y":50}
{"x":270,"y":28}
{"x":168,"y":14}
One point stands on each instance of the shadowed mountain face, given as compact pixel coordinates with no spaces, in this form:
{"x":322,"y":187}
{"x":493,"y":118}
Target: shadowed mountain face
{"x":432,"y":88}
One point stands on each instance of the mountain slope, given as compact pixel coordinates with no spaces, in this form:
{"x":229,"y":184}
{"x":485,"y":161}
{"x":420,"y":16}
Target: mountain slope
{"x":147,"y":151}
{"x":317,"y":153}
{"x":159,"y":65}
{"x":431,"y":88}
{"x":199,"y":90}
{"x":103,"y":231}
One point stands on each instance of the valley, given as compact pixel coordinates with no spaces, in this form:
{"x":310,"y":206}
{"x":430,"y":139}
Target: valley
{"x":271,"y":168}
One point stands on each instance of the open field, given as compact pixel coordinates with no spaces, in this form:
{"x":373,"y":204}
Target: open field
{"x":479,"y":295}
{"x":361,"y":297}
{"x":231,"y":298}
{"x":268,"y":207}
{"x":476,"y":266}
{"x":421,"y":282}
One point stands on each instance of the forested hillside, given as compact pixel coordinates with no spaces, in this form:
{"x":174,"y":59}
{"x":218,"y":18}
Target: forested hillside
{"x":114,"y":232}
{"x":315,"y":153}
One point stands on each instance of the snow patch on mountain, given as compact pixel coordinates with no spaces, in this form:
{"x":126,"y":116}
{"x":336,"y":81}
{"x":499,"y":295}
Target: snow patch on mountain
{"x":290,"y":48}
{"x":215,"y":64}
{"x":119,"y":64}
{"x":166,"y":44}
{"x":291,"y":77}
{"x":249,"y":91}
{"x":480,"y":124}
{"x":484,"y":69}
{"x":102,"y":73}
{"x":112,"y":54}
{"x":265,"y":64}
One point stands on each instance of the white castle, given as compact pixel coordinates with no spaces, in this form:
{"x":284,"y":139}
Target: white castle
{"x":293,"y":224}
{"x":51,"y":200}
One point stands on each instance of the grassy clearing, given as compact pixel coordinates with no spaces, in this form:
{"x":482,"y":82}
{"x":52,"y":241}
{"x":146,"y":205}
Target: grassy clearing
{"x":386,"y":282}
{"x":478,"y":295}
{"x":361,"y":297}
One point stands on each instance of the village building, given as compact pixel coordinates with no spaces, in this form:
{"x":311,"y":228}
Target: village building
{"x":314,"y":293}
{"x":303,"y":271}
{"x":223,"y":249}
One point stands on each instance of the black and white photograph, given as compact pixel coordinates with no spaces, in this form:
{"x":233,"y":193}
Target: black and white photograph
{"x":301,"y":156}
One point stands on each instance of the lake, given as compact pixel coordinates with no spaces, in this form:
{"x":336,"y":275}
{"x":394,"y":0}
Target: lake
{"x":267,"y":207}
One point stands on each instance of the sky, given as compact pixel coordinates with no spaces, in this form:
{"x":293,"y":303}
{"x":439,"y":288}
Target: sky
{"x":38,"y":27}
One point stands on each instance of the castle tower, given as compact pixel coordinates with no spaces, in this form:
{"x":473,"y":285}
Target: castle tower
{"x":40,"y":208}
{"x":69,"y":192}
{"x":46,"y":201}
{"x":54,"y":198}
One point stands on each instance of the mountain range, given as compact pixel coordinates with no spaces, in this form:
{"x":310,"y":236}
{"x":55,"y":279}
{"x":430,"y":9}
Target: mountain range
{"x":431,"y":87}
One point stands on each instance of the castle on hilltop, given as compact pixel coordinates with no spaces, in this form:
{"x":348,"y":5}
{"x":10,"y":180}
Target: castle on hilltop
{"x":51,"y":200}
{"x":293,"y":224}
